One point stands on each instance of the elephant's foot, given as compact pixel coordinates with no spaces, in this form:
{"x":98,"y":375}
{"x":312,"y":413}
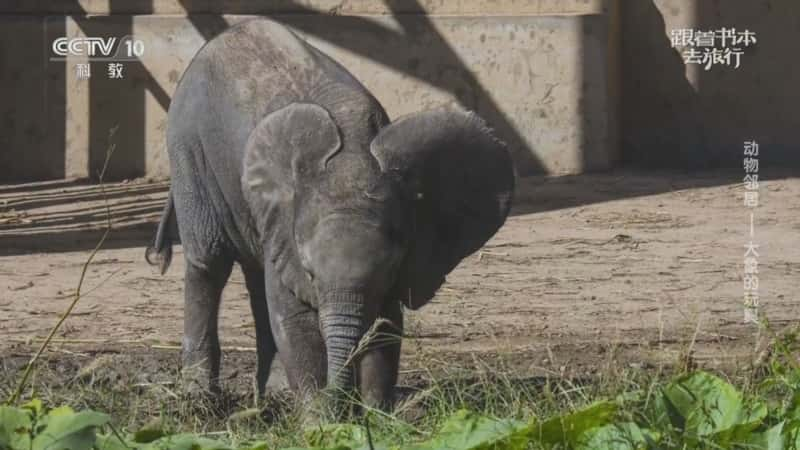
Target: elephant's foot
{"x":196,"y":381}
{"x":382,"y":399}
{"x":321,"y":407}
{"x":200,"y":373}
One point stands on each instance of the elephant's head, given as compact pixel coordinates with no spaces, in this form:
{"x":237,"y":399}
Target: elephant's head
{"x":352,"y":219}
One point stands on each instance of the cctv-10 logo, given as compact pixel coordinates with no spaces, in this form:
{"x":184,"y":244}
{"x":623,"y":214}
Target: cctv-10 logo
{"x":99,"y":48}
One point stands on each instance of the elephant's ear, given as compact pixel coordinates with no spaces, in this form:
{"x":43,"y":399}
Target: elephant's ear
{"x":285,"y":149}
{"x":462,"y":179}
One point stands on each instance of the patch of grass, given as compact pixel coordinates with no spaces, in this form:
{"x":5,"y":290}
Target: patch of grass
{"x":139,"y":398}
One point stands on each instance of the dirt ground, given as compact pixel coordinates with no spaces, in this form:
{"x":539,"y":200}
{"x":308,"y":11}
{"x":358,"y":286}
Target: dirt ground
{"x":635,"y":267}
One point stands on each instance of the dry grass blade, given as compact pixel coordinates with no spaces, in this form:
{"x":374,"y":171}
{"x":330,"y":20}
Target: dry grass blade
{"x":29,"y":367}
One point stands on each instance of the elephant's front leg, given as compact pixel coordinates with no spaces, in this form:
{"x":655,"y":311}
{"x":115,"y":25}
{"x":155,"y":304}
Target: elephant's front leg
{"x":201,"y":351}
{"x":380,"y":363}
{"x":295,"y":328}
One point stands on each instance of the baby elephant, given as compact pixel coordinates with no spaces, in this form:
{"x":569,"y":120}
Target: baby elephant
{"x":283,"y":162}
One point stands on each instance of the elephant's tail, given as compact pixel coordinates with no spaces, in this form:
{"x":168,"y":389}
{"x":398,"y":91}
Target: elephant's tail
{"x":160,"y":251}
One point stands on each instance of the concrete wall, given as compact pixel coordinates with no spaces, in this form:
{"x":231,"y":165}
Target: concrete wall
{"x":571,"y":85}
{"x":537,"y":71}
{"x":331,"y":7}
{"x":679,"y":115}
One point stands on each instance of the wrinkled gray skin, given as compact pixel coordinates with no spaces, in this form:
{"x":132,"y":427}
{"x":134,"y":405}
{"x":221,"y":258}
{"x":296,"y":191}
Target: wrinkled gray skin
{"x":283,"y":162}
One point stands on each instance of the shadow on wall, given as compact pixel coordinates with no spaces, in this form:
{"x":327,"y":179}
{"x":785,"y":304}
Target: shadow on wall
{"x":36,"y":118}
{"x":119,"y":104}
{"x":391,"y":48}
{"x":41,"y":152}
{"x":668,"y":122}
{"x":660,"y":121}
{"x":108,"y":104}
{"x":32,"y":110}
{"x":599,"y":127}
{"x":759,"y":100}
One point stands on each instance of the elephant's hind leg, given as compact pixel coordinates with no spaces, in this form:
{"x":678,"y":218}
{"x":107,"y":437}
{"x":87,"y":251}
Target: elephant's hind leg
{"x":265,"y":344}
{"x":201,"y":350}
{"x":209,"y":259}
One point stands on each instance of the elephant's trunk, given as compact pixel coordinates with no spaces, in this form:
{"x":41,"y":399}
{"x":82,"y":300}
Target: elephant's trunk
{"x":343,"y":322}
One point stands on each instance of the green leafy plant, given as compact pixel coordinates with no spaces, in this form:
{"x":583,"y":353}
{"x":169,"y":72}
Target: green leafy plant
{"x":696,"y":410}
{"x":32,"y":427}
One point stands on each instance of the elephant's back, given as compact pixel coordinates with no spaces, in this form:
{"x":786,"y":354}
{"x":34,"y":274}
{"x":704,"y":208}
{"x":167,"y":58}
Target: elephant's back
{"x":236,"y":79}
{"x":257,"y":58}
{"x":250,"y":70}
{"x":241,"y":74}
